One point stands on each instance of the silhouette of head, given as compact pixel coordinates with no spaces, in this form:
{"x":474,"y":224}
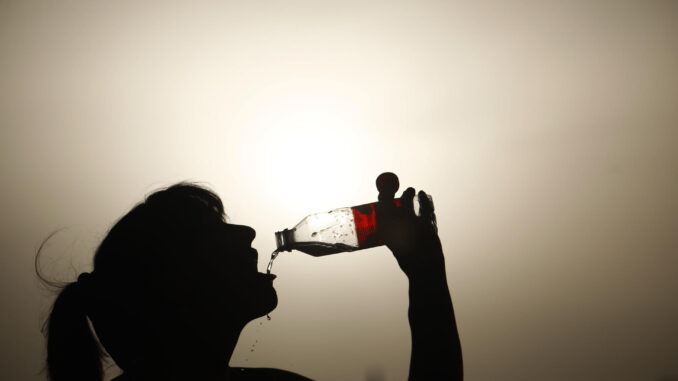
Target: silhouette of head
{"x":171,"y":279}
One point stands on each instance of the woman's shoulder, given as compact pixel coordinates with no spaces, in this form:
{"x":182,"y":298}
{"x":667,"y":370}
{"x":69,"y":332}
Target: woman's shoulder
{"x":246,"y":374}
{"x":238,"y":374}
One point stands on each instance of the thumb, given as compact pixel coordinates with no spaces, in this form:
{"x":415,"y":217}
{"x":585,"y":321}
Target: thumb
{"x":387,"y":184}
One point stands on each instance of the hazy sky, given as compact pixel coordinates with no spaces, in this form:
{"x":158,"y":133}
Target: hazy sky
{"x":546,"y":132}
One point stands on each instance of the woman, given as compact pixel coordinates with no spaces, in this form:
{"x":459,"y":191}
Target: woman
{"x":173,"y":286}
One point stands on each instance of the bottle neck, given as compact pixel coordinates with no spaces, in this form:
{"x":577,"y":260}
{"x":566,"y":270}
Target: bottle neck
{"x":283,"y":240}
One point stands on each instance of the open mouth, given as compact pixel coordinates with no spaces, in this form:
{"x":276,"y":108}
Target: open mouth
{"x":255,"y":257}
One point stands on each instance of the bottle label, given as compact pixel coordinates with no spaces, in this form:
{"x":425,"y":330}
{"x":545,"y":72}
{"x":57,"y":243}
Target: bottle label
{"x":365,"y":219}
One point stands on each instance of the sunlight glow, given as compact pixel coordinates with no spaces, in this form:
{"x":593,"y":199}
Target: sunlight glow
{"x":317,"y":125}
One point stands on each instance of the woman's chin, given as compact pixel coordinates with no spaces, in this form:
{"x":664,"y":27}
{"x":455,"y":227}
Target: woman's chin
{"x":267,"y":304}
{"x":272,"y":302}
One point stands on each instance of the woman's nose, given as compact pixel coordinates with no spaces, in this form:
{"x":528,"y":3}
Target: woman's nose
{"x":251,"y":233}
{"x":247,"y":233}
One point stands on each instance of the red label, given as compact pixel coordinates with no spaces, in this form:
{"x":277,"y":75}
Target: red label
{"x":365,"y":219}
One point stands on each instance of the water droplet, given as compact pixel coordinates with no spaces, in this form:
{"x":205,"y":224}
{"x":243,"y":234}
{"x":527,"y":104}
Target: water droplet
{"x":274,"y":254}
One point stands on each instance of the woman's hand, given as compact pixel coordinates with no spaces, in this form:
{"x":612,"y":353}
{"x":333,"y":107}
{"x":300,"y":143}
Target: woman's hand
{"x":412,"y":238}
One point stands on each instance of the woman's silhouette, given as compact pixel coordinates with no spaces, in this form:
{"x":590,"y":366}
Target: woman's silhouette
{"x":173,"y":286}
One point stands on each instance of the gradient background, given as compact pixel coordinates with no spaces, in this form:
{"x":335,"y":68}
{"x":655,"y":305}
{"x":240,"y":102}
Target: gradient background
{"x":546,"y":133}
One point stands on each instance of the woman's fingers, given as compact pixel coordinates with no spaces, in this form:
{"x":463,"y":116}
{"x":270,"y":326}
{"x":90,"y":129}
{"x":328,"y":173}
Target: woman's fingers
{"x":426,"y":210}
{"x":407,"y":198}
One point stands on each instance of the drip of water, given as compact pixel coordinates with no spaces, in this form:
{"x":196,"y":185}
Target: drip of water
{"x":274,"y":255}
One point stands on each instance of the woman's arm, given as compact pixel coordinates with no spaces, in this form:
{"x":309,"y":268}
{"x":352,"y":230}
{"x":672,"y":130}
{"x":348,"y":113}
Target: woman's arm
{"x":436,"y":349}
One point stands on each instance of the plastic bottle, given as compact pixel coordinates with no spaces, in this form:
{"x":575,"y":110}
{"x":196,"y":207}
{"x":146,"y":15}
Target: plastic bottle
{"x":340,"y":230}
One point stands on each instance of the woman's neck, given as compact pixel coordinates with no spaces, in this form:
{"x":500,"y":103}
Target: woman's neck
{"x":183,"y":369}
{"x":187,"y":361}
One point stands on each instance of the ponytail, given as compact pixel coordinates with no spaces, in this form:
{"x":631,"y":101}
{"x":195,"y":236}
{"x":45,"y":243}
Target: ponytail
{"x":73,"y":354}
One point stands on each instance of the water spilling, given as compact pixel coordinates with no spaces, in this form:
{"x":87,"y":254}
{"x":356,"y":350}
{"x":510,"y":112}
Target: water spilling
{"x":274,"y":254}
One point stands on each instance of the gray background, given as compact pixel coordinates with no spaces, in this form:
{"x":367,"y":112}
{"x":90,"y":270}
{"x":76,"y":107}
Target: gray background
{"x":546,"y":133}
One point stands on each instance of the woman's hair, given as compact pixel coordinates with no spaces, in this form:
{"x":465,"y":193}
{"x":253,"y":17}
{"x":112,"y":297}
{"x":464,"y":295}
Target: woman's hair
{"x":124,"y":296}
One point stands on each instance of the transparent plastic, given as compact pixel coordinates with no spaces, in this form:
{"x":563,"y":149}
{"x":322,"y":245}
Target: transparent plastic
{"x":339,"y":230}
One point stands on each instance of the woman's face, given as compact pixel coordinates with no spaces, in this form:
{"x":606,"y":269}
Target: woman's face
{"x":176,"y":278}
{"x":215,"y":289}
{"x":245,"y":292}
